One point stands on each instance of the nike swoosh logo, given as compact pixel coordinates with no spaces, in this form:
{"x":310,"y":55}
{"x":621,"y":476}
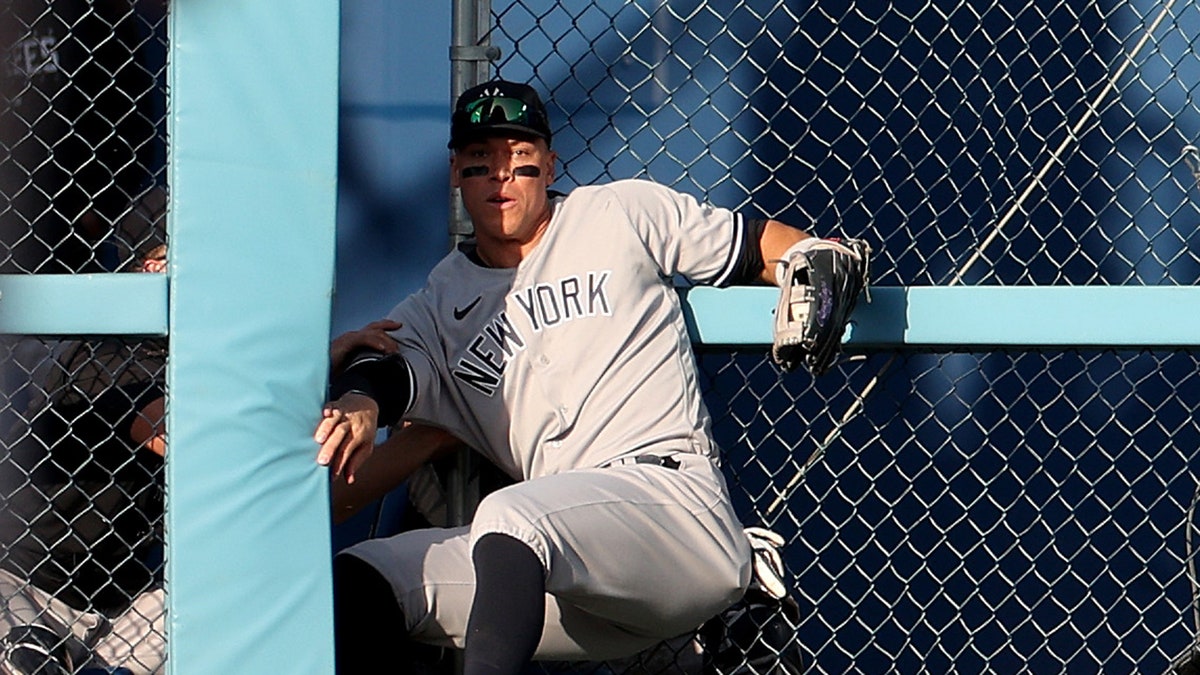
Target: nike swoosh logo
{"x":460,"y":313}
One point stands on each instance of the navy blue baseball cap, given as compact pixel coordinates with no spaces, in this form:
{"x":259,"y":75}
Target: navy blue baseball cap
{"x":498,"y":108}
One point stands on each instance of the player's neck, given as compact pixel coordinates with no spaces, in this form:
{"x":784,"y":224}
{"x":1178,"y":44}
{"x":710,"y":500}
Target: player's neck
{"x":509,"y":252}
{"x":505,"y":254}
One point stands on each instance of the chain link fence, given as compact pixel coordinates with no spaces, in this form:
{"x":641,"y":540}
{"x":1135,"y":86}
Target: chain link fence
{"x":1005,"y":511}
{"x":82,"y":177}
{"x":83,"y":134}
{"x":82,"y":492}
{"x":994,"y":512}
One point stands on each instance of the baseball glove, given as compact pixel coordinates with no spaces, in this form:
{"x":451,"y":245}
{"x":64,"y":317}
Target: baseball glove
{"x":819,"y":286}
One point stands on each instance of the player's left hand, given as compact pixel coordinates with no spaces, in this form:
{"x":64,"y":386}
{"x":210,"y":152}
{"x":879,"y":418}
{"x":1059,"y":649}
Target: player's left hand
{"x":820,"y":284}
{"x":347,"y":434}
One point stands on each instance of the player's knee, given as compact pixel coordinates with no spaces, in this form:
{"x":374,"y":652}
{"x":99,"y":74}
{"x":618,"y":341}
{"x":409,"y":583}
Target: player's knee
{"x":507,"y":512}
{"x":734,"y":581}
{"x":729,"y":582}
{"x":706,"y":598}
{"x":737,"y":583}
{"x":499,"y":505}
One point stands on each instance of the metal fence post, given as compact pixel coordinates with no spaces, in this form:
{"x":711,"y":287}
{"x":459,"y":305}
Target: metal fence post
{"x":470,"y":60}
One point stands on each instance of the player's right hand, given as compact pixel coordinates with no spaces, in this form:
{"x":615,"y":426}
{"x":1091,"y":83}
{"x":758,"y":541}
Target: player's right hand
{"x":347,"y":434}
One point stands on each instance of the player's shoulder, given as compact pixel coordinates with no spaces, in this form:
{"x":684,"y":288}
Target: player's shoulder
{"x":444,"y":273}
{"x":627,"y":191}
{"x":452,"y":273}
{"x":450,"y":262}
{"x":624,"y":186}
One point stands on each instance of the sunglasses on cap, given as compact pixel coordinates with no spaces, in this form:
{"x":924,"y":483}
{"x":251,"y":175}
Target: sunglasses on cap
{"x":497,"y":109}
{"x":500,"y":110}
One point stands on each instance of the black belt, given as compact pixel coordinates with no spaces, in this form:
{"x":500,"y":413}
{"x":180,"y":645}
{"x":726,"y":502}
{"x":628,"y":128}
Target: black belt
{"x":665,"y":461}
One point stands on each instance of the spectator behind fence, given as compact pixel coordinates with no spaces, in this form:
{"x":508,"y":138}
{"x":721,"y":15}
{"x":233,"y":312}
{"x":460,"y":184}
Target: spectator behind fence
{"x":81,"y":525}
{"x":77,"y":136}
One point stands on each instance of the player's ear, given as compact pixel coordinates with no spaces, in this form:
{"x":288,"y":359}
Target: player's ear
{"x":454,"y":169}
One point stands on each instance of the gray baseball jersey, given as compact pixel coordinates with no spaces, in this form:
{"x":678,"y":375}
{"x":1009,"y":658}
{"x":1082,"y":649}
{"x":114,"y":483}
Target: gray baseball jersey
{"x":580,"y":355}
{"x":562,"y":371}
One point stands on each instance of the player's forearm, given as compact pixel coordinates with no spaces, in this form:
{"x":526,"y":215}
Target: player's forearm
{"x":390,"y":465}
{"x":384,"y":378}
{"x":776,"y":239}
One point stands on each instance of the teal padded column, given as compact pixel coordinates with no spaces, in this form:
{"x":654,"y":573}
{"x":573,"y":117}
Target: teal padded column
{"x":253,"y":124}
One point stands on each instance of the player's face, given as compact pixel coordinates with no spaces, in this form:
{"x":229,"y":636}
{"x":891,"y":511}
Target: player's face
{"x":503,"y":183}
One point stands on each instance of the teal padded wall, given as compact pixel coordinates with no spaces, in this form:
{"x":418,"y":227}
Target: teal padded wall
{"x":970,"y":317}
{"x":252,"y":172}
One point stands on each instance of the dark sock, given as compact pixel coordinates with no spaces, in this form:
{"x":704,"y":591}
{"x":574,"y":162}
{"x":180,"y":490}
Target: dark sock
{"x":509,"y":610}
{"x":369,"y":628}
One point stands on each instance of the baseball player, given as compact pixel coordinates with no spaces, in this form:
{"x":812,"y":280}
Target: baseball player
{"x":554,"y":344}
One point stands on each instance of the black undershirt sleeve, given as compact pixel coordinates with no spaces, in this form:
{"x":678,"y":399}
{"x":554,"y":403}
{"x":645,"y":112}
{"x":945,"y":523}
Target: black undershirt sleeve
{"x":385,"y":378}
{"x":749,"y":265}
